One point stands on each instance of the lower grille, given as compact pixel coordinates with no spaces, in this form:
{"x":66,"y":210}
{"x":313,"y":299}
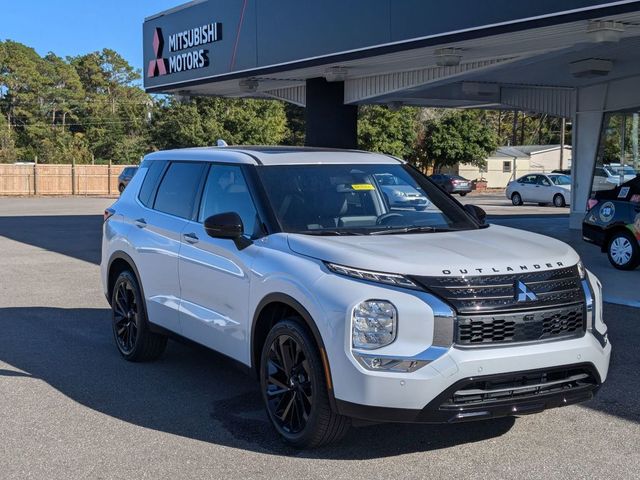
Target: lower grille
{"x":513,"y":387}
{"x":521,"y":327}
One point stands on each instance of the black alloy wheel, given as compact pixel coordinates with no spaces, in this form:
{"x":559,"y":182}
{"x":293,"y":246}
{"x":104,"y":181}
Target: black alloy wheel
{"x":131,"y":332}
{"x":125,"y":316}
{"x":294,"y":388}
{"x":289,"y":389}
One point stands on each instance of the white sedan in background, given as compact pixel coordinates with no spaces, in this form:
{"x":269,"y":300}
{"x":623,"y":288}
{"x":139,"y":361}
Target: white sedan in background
{"x":541,"y":188}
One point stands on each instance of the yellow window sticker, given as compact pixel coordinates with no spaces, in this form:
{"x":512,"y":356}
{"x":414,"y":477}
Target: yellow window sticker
{"x":362,"y":186}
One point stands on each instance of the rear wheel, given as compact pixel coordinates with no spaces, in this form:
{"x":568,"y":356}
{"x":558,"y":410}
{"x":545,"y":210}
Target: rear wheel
{"x":294,"y":388}
{"x":623,"y":251}
{"x":121,"y":187}
{"x":516,"y":199}
{"x":462,"y":194}
{"x":134,"y":340}
{"x":559,"y":201}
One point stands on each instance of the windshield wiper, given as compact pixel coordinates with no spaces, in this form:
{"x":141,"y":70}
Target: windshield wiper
{"x":422,"y":229}
{"x":329,"y":232}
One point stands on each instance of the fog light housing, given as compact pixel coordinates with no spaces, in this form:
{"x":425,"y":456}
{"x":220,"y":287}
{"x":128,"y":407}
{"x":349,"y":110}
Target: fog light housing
{"x":388,"y":364}
{"x":374,"y":324}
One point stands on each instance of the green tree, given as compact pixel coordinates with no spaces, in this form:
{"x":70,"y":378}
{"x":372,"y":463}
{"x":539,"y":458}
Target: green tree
{"x":458,"y":136}
{"x":381,"y":129}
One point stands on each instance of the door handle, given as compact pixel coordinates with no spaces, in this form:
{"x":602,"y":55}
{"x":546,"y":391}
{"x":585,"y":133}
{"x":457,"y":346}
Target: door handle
{"x":191,"y":238}
{"x":141,"y":223}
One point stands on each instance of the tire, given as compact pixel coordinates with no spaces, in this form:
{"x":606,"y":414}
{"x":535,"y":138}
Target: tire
{"x":121,"y":187}
{"x":462,"y":194}
{"x":134,"y":340}
{"x":516,"y":199}
{"x":292,"y":392}
{"x":558,"y":200}
{"x":623,"y":250}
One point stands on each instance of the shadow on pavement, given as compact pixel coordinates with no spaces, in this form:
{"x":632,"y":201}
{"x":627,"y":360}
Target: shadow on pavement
{"x":76,"y":236}
{"x":190,"y":392}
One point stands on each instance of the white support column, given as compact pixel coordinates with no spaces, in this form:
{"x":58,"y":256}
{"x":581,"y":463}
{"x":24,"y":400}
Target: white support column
{"x":587,"y":125}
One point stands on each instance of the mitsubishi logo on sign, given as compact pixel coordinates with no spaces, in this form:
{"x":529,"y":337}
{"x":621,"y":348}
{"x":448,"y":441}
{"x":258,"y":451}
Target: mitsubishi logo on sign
{"x":523,"y":294}
{"x":186,"y":50}
{"x":158,"y":66}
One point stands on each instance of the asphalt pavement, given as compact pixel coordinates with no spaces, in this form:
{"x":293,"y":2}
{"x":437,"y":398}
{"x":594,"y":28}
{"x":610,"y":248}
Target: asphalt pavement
{"x":72,"y":408}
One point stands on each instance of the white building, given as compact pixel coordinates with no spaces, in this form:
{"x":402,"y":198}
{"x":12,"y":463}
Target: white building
{"x":508,"y":163}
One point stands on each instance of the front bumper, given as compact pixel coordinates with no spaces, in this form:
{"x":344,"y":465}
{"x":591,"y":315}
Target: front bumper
{"x":513,"y":396}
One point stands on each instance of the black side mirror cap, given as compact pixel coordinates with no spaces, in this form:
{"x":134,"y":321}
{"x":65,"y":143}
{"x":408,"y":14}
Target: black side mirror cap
{"x":477,"y":213}
{"x":227,"y":225}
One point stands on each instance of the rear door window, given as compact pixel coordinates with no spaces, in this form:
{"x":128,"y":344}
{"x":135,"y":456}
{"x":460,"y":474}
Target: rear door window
{"x":178,"y":189}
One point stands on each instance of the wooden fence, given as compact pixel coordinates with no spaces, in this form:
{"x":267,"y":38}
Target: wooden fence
{"x":62,"y":179}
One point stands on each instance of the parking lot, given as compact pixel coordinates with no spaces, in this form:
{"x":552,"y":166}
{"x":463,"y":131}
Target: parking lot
{"x":72,"y":408}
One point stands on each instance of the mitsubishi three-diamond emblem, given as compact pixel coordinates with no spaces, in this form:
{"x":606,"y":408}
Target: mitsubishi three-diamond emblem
{"x":524,"y":294}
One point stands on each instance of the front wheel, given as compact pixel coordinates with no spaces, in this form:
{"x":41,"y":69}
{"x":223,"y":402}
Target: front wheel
{"x":516,"y":199}
{"x":462,"y":194}
{"x":294,"y":388}
{"x":121,"y":187}
{"x":623,"y":251}
{"x":134,"y":340}
{"x":559,"y":201}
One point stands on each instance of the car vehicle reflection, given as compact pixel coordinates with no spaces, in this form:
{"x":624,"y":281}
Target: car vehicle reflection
{"x":399,"y":194}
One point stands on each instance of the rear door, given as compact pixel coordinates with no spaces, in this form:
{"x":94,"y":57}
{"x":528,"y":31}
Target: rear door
{"x":156,"y":238}
{"x":214,"y":273}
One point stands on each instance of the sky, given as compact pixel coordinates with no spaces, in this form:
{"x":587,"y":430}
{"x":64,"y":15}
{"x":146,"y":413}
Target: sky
{"x":75,"y":27}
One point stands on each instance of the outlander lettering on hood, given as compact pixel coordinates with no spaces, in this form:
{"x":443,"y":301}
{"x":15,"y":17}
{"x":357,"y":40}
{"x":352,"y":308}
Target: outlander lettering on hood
{"x":519,"y":268}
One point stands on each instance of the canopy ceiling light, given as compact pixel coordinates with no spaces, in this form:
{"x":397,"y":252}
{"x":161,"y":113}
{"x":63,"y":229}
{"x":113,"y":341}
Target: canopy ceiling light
{"x":591,"y":68}
{"x":448,"y":57}
{"x":335,"y":74}
{"x":248,"y":85}
{"x":605,"y":31}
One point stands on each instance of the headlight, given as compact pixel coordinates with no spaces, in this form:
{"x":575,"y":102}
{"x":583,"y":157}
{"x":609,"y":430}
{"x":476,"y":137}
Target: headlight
{"x":396,"y":193}
{"x":380,"y":277}
{"x":373,"y":324}
{"x":581,"y":270}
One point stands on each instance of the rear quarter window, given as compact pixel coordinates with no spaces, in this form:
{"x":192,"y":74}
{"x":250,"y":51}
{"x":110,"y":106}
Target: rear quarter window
{"x":150,"y":182}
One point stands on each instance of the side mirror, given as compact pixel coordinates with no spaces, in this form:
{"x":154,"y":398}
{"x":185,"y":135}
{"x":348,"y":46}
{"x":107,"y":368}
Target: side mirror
{"x":477,"y":213}
{"x":227,"y":225}
{"x":224,"y":225}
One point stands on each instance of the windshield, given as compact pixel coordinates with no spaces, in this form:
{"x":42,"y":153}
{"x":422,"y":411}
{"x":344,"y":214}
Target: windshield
{"x":621,"y":169}
{"x":560,"y":179}
{"x":343,"y":199}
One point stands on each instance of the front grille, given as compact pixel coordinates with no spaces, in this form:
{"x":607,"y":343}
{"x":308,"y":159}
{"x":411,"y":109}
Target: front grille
{"x":519,"y":386}
{"x":521,"y":327}
{"x":494,"y":293}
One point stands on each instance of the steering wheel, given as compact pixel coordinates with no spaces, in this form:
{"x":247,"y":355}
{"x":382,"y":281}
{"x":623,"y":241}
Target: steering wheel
{"x":383,"y":219}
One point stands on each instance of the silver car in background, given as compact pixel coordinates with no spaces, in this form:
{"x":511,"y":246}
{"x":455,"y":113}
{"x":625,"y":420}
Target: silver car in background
{"x":540,"y":188}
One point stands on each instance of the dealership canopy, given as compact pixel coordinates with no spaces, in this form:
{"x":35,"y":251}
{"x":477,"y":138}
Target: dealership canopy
{"x":571,"y":58}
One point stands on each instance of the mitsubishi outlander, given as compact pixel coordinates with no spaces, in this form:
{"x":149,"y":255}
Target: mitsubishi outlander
{"x":346,"y":307}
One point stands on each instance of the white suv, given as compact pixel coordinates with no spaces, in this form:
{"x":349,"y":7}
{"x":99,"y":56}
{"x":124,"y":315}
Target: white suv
{"x":292,"y":262}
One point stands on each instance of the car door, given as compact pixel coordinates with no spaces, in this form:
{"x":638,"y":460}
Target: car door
{"x":543,"y":190}
{"x":214,"y":272}
{"x":525,"y":187}
{"x":157,"y":240}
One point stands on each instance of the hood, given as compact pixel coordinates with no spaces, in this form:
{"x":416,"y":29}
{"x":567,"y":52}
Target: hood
{"x":492,"y":250}
{"x":401,"y":188}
